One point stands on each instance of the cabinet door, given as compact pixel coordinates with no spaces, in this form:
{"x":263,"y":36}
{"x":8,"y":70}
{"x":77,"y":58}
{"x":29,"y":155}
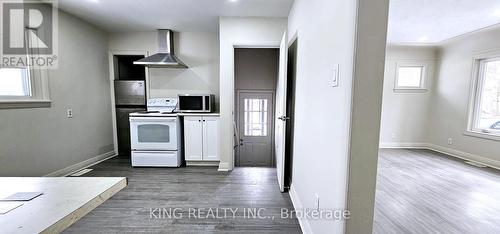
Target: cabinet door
{"x":211,"y":138}
{"x":193,"y":142}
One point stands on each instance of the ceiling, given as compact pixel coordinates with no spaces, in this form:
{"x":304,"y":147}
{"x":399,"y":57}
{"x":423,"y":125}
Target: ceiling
{"x":410,"y":21}
{"x":432,"y":21}
{"x":180,"y":15}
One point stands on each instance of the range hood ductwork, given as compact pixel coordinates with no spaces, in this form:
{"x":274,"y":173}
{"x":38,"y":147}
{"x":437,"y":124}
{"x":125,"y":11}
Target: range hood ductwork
{"x":165,"y":58}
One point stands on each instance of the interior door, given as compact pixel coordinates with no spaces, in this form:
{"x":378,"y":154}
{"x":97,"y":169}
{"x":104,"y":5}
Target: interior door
{"x":280,"y":112}
{"x":255,"y":114}
{"x":290,"y":111}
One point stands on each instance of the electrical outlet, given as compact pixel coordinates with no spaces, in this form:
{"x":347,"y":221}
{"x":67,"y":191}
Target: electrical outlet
{"x":450,"y":141}
{"x":69,"y":113}
{"x":316,"y":201}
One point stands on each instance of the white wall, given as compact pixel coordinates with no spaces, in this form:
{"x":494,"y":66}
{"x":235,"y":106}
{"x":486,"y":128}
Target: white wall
{"x":325,"y":32}
{"x":39,"y":141}
{"x":264,"y":32}
{"x":199,"y":50}
{"x":405,"y":113}
{"x":451,"y":96}
{"x":326,"y":160}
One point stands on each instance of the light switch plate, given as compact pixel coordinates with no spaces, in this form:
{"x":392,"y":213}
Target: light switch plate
{"x":335,"y":81}
{"x":316,"y":201}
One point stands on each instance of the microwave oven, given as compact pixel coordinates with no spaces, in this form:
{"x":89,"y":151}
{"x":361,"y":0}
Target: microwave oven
{"x":204,"y":103}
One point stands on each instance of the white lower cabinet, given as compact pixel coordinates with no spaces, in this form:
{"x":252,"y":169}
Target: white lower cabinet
{"x":193,"y":138}
{"x":201,"y":138}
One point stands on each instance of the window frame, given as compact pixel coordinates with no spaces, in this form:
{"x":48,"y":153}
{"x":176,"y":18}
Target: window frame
{"x":423,"y":77}
{"x":39,"y":90}
{"x":475,"y":97}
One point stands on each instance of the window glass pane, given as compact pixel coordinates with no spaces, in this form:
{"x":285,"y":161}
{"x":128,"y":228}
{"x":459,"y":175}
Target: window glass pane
{"x":255,"y":117}
{"x":489,"y":112}
{"x":14,"y":82}
{"x":409,"y":77}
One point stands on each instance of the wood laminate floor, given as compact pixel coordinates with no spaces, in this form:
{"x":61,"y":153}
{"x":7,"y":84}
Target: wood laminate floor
{"x":421,"y":191}
{"x":418,"y":191}
{"x":189,"y":189}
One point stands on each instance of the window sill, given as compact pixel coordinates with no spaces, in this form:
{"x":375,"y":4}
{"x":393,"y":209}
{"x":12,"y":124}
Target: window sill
{"x":410,"y":90}
{"x":17,"y":104}
{"x":484,"y":135}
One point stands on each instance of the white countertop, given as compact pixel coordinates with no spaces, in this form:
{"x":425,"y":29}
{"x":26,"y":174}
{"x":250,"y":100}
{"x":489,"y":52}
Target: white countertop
{"x":64,"y":201}
{"x":171,"y":114}
{"x":198,"y":114}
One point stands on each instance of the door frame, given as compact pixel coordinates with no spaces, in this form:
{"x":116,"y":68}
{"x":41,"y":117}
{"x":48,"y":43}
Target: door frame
{"x":237,"y":118}
{"x":112,"y":74}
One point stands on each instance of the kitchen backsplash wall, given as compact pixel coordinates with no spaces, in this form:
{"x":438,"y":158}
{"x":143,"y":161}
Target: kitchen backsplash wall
{"x":199,"y":50}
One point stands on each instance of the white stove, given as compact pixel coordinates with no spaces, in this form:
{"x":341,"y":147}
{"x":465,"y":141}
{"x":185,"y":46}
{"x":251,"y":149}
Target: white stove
{"x":155,"y":135}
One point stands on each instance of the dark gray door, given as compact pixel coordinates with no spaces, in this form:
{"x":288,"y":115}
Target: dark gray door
{"x":290,"y":111}
{"x":256,"y":125}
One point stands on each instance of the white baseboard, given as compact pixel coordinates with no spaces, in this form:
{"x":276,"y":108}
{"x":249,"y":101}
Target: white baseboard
{"x":401,"y":145}
{"x":465,"y":156}
{"x":444,"y":150}
{"x":82,"y":165}
{"x":202,"y":163}
{"x":297,"y":205}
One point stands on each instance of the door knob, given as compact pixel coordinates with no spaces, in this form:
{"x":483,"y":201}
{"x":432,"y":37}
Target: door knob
{"x":284,"y":118}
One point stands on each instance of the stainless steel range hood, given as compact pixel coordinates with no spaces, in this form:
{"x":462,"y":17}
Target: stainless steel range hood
{"x":165,"y":58}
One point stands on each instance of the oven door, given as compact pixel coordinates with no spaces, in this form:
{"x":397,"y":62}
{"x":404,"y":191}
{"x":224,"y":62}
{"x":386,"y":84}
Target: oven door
{"x":153,"y":133}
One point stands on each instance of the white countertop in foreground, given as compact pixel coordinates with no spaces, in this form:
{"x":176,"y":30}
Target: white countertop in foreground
{"x":64,"y":201}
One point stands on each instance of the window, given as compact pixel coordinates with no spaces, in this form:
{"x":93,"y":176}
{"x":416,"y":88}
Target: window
{"x":23,"y":88}
{"x":15,"y":82}
{"x":255,"y":117}
{"x":410,"y":77}
{"x":485,"y":116}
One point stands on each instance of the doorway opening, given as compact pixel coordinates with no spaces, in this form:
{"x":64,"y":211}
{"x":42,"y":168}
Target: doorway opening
{"x":128,"y":95}
{"x":256,"y":77}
